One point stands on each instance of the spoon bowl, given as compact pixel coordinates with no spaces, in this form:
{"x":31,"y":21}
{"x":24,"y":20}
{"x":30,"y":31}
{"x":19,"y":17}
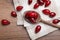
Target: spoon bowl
{"x":32,"y":14}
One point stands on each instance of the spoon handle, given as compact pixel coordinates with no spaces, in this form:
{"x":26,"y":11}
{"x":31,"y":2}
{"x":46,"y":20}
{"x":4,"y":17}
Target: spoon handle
{"x":49,"y":23}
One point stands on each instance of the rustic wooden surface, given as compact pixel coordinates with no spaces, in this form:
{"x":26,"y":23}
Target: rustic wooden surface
{"x":14,"y":32}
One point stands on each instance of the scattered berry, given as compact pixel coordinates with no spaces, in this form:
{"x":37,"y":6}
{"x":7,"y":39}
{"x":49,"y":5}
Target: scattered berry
{"x":40,"y":2}
{"x":13,"y":14}
{"x":55,"y":21}
{"x":36,"y":5}
{"x":5,"y":22}
{"x":46,"y":11}
{"x":32,"y":20}
{"x":47,"y":3}
{"x":19,"y":8}
{"x":52,"y":14}
{"x":45,"y":0}
{"x":29,"y":2}
{"x":37,"y":29}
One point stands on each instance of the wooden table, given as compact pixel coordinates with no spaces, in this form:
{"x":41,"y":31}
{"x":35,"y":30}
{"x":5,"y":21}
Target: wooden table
{"x":14,"y":32}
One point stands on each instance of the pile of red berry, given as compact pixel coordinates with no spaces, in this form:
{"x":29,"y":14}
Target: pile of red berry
{"x":31,"y":16}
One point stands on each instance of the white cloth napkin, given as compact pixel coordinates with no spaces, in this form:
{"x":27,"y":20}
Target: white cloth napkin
{"x":30,"y":27}
{"x":45,"y":29}
{"x":19,"y":14}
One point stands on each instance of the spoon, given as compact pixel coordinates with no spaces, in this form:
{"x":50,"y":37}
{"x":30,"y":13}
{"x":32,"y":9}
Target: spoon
{"x":39,"y":19}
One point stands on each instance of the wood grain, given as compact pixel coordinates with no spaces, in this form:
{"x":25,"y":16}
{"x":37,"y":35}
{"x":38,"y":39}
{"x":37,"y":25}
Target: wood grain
{"x":14,"y":32}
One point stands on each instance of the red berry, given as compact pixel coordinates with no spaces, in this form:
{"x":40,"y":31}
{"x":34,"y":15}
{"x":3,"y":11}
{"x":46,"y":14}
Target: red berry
{"x":13,"y":14}
{"x":5,"y":22}
{"x":59,"y":20}
{"x":37,"y":29}
{"x":52,"y":14}
{"x":36,"y":5}
{"x":40,"y":2}
{"x":27,"y":15}
{"x":46,"y":11}
{"x":32,"y":20}
{"x":55,"y":21}
{"x":31,"y":14}
{"x":45,"y":0}
{"x":19,"y":8}
{"x":29,"y":2}
{"x":47,"y":3}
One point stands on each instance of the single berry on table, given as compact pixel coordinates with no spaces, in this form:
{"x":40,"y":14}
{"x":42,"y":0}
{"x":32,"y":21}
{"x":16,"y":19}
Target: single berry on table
{"x":5,"y":22}
{"x":13,"y":14}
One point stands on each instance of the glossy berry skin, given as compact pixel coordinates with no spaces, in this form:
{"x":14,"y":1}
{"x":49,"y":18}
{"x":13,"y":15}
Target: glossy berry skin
{"x":36,"y":5}
{"x":55,"y":21}
{"x":32,"y":20}
{"x":31,"y":16}
{"x":37,"y":29}
{"x":19,"y":8}
{"x":30,"y":1}
{"x":5,"y":22}
{"x":47,"y":3}
{"x":52,"y":14}
{"x":59,"y":20}
{"x":45,"y":0}
{"x":40,"y":2}
{"x":46,"y":11}
{"x":13,"y":14}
